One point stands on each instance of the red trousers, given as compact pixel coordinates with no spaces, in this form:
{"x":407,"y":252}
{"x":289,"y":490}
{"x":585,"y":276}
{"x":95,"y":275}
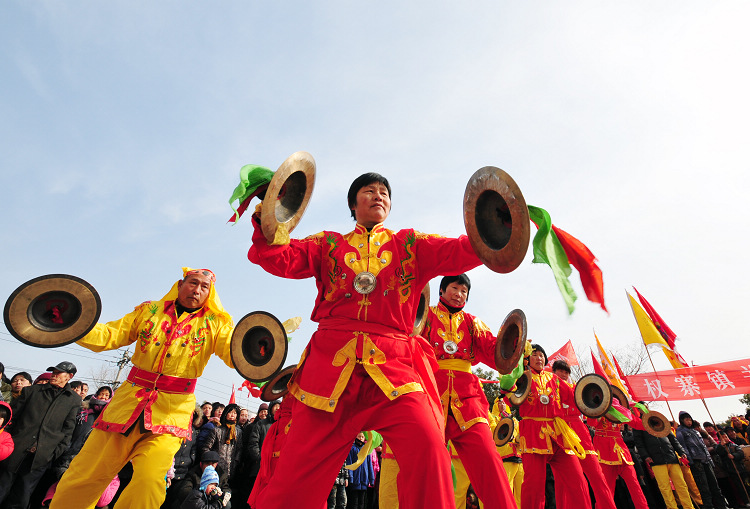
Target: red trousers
{"x":318,"y":443}
{"x":482,"y":463}
{"x":568,"y":477}
{"x":627,"y":472}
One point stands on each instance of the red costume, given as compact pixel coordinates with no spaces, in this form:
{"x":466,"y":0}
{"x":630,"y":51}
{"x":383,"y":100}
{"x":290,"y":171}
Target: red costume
{"x":615,"y":459}
{"x":459,"y":341}
{"x":603,"y":493}
{"x":272,"y":446}
{"x":547,"y":438}
{"x":361,"y":369}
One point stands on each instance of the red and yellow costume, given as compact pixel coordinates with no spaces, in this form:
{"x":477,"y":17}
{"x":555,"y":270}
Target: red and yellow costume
{"x":150,"y":413}
{"x":361,"y":369}
{"x":603,"y":494}
{"x":465,"y":406}
{"x":615,"y":459}
{"x":547,"y":438}
{"x":509,"y":452}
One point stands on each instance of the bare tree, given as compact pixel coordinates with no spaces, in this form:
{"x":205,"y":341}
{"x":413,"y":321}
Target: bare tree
{"x":104,"y":374}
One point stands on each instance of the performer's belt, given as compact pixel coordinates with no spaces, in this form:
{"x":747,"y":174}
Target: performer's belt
{"x":607,"y":434}
{"x":561,"y":428}
{"x":160,"y":382}
{"x":455,"y":364}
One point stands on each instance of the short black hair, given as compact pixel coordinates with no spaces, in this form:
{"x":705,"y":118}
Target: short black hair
{"x":24,"y":375}
{"x":561,"y":364}
{"x":461,"y":279}
{"x":76,"y":384}
{"x":105,"y":387}
{"x":364,"y":180}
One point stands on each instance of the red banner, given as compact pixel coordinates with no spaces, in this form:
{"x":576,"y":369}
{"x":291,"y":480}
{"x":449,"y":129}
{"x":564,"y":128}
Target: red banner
{"x":566,"y":353}
{"x":694,"y":382}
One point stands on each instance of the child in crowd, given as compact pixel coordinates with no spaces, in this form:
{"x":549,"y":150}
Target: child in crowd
{"x":6,"y":441}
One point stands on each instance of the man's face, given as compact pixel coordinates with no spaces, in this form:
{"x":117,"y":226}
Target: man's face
{"x":564,"y":375}
{"x":455,"y":294}
{"x":60,"y":378}
{"x":536,"y":360}
{"x":207,"y":409}
{"x":243,"y":416}
{"x":688,"y":421}
{"x":731,"y":434}
{"x":218,"y":411}
{"x":193,"y":291}
{"x":360,"y":437}
{"x":82,"y":390}
{"x":19,"y":383}
{"x":275,"y":408}
{"x":373,"y":204}
{"x":262,"y":414}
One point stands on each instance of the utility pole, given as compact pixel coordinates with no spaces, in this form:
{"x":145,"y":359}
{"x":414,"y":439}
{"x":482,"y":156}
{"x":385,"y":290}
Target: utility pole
{"x":124,"y":361}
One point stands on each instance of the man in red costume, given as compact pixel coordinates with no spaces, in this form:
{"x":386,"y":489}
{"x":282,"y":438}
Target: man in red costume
{"x":547,"y":438}
{"x":603,"y":494}
{"x":615,"y":458}
{"x":361,"y":370}
{"x":459,"y":341}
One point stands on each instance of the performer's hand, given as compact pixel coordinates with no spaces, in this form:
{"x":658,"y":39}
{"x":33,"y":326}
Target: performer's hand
{"x":508,"y":381}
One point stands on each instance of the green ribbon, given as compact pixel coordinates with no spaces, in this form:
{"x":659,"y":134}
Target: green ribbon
{"x":251,"y":178}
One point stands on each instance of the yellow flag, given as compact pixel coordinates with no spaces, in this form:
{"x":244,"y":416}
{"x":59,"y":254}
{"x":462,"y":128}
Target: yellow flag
{"x":650,"y":333}
{"x":609,"y":367}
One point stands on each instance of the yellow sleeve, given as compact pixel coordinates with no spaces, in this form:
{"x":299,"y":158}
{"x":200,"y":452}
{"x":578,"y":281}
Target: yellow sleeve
{"x":111,"y":335}
{"x":223,"y":343}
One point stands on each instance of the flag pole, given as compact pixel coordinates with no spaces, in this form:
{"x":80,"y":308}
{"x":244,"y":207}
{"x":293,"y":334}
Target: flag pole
{"x":649,"y":355}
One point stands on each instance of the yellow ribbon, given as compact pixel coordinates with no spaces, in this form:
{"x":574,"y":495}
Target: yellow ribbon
{"x":570,"y":439}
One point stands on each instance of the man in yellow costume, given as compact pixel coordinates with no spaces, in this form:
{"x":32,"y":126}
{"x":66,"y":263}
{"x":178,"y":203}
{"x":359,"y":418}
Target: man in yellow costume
{"x":150,"y":413}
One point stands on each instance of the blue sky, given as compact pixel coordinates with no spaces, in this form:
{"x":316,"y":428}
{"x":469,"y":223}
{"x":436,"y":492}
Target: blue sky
{"x":123,"y":127}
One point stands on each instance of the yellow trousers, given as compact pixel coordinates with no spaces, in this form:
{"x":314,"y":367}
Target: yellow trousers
{"x":515,"y":478}
{"x":663,"y":473}
{"x":104,"y":455}
{"x":388,"y":491}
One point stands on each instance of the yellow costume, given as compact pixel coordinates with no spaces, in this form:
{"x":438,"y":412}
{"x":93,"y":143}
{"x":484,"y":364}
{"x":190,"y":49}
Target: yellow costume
{"x":509,"y":452}
{"x":149,"y":413}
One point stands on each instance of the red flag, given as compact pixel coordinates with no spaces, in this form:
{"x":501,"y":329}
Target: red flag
{"x":584,"y":261}
{"x":231,"y":398}
{"x":622,"y":375}
{"x":566,"y":353}
{"x":667,"y":333}
{"x":598,"y":369}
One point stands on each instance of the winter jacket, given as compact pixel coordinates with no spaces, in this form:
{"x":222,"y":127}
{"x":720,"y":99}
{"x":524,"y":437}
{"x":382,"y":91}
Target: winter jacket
{"x":85,"y":418}
{"x":692,"y":443}
{"x":661,"y":450}
{"x":255,"y":443}
{"x":199,"y":500}
{"x":5,"y":390}
{"x":364,"y":475}
{"x":229,"y":454}
{"x":186,"y":456}
{"x":344,"y":475}
{"x":44,"y":417}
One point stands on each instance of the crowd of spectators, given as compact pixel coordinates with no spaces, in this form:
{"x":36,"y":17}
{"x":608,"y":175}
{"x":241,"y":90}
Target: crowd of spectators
{"x":44,"y":423}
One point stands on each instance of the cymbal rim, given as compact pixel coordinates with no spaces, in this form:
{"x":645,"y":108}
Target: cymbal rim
{"x":497,"y":252}
{"x":506,"y":361}
{"x":269,"y":393}
{"x":423,"y":309}
{"x":298,"y":170}
{"x":251,"y":321}
{"x":589,"y":383}
{"x":28,"y":330}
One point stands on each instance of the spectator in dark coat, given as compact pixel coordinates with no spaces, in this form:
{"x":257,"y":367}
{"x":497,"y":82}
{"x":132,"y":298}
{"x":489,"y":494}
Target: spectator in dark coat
{"x":193,"y":478}
{"x":184,"y":460}
{"x":226,"y":440}
{"x":701,"y":464}
{"x":208,"y":427}
{"x":208,"y":495}
{"x":661,"y":456}
{"x":5,"y":388}
{"x":255,"y":443}
{"x":362,"y":477}
{"x":17,"y":383}
{"x":44,"y":420}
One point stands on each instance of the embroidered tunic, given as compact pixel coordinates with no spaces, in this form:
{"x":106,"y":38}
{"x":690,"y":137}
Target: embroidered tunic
{"x":368,"y":328}
{"x":609,"y":444}
{"x":460,"y":390}
{"x":166,"y":344}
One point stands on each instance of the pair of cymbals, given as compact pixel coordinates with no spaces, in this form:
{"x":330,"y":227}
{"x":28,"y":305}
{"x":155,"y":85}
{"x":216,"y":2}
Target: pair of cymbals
{"x":52,"y":310}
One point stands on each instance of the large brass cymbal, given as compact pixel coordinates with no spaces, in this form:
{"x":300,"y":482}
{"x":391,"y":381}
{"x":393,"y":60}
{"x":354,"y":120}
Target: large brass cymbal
{"x":423,"y":309}
{"x":523,"y":388}
{"x":496,"y":219}
{"x":504,"y":431}
{"x":288,"y":194}
{"x":52,"y":310}
{"x":259,"y":346}
{"x":593,"y":395}
{"x":656,"y":423}
{"x":511,"y":341}
{"x":276,"y":388}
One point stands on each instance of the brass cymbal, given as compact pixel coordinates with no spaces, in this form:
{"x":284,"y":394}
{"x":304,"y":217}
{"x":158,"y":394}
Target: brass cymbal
{"x":288,"y":194}
{"x":259,"y":346}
